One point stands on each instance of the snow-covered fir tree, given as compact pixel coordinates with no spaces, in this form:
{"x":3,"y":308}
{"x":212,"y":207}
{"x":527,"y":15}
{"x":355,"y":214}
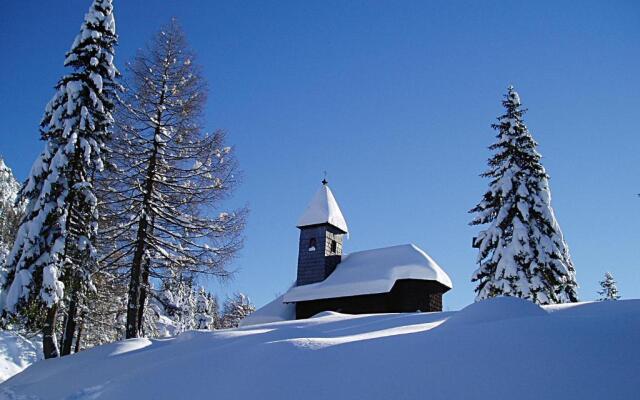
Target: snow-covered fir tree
{"x":169,"y":177}
{"x":202,"y":315}
{"x":178,"y":306}
{"x":10,"y":212}
{"x":55,"y":242}
{"x":214,"y":311}
{"x":609,"y":289}
{"x":171,"y":307}
{"x":235,"y":309}
{"x":522,"y":251}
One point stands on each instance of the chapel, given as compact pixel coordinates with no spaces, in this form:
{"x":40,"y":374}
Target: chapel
{"x":392,"y":279}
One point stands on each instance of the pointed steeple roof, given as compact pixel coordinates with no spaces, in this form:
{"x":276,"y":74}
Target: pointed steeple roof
{"x":323,"y":209}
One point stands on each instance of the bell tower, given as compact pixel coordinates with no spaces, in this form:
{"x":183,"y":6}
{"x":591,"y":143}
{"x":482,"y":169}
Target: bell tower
{"x":322,"y":229}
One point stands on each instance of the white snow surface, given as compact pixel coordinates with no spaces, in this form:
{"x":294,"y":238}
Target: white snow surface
{"x":322,"y":209}
{"x":17,"y":352}
{"x":501,"y":348}
{"x":372,"y":271}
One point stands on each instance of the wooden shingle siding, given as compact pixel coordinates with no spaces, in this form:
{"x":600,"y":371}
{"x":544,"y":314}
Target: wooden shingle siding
{"x":315,"y":266}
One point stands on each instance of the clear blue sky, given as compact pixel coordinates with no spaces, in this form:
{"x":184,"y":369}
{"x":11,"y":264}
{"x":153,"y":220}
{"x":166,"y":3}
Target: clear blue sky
{"x":394,"y":99}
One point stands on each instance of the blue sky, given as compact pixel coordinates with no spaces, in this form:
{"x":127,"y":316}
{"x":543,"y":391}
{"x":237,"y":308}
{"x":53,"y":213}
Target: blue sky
{"x":394,"y":99}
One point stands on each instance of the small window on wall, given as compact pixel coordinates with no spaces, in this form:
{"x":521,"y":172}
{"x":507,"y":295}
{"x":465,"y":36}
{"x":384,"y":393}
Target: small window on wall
{"x":334,"y":246}
{"x":312,"y":244}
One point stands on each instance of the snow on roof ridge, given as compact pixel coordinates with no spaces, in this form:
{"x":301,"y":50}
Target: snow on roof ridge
{"x":323,"y":209}
{"x":372,"y":271}
{"x":384,"y":248}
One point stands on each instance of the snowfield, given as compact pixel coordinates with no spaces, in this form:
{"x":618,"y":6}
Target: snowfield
{"x":496,"y":349}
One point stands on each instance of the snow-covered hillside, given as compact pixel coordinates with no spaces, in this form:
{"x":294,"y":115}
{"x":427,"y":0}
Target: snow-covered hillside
{"x":496,"y":349}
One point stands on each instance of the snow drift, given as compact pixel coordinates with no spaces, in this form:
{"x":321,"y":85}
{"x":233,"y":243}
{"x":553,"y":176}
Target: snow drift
{"x":500,"y":348}
{"x":17,"y":353}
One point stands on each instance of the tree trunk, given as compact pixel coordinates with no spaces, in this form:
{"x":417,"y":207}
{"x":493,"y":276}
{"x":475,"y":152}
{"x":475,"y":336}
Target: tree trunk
{"x":134,"y":307}
{"x":64,"y":323}
{"x":79,"y":335}
{"x":144,"y":289}
{"x":132,"y":329}
{"x":70,"y":326}
{"x":49,"y":345}
{"x":135,"y":304}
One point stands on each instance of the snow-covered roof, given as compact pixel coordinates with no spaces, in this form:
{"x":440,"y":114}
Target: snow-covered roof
{"x":323,"y":209}
{"x":372,"y":271}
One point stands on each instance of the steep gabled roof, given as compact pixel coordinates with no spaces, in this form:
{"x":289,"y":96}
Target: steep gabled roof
{"x":323,"y":209}
{"x":370,"y":272}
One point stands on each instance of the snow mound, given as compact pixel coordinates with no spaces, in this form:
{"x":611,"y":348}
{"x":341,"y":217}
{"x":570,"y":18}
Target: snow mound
{"x":496,"y":309}
{"x":327,"y":314}
{"x":127,"y":346}
{"x":501,"y":348}
{"x":17,"y":353}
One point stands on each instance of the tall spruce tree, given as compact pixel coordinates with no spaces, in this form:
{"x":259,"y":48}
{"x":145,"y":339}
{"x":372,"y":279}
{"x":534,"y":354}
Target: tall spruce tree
{"x":55,"y":241}
{"x":609,"y":289}
{"x":522,"y":252}
{"x":169,"y":177}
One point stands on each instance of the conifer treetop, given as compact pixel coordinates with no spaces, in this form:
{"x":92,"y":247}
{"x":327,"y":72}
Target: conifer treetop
{"x":96,"y":39}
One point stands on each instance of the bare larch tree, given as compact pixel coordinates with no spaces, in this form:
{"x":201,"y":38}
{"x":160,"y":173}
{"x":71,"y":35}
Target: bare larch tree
{"x":169,"y":177}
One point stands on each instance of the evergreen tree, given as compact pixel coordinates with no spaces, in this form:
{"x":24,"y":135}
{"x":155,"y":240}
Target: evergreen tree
{"x":235,"y":309}
{"x":522,"y":252}
{"x":202,"y":315}
{"x":185,"y":303}
{"x":55,"y":241}
{"x":214,"y":311}
{"x":609,"y":289}
{"x":172,"y":307}
{"x":102,"y":312}
{"x":169,"y":177}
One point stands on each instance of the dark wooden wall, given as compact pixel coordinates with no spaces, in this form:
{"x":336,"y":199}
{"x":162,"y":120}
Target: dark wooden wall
{"x":407,"y":295}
